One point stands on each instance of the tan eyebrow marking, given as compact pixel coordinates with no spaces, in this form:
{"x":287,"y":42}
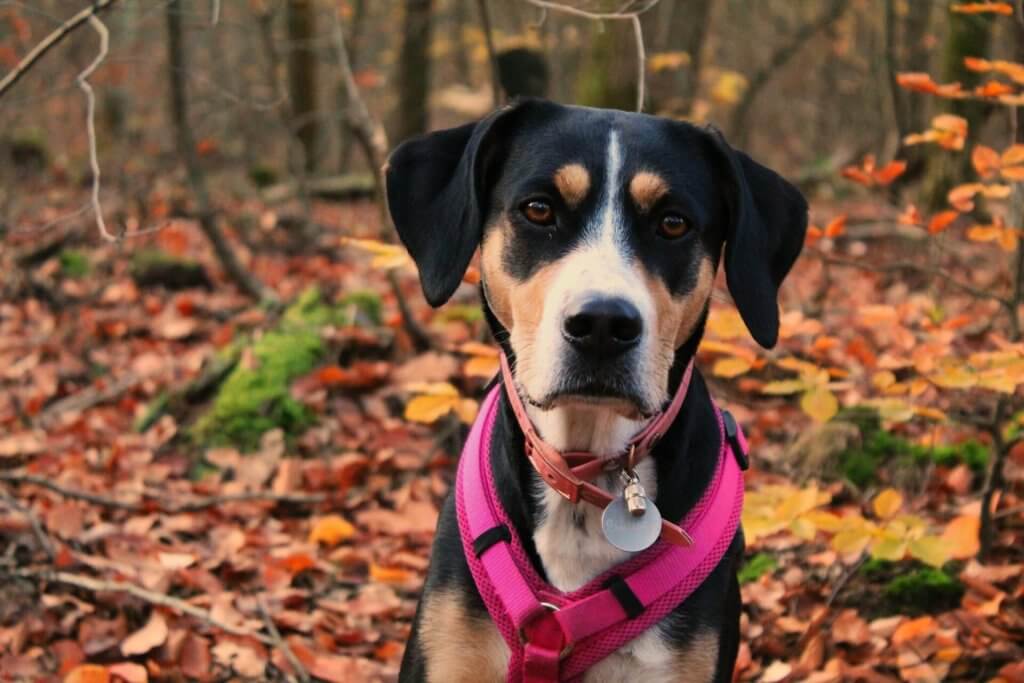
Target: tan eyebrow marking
{"x":646,"y":189}
{"x":573,"y":182}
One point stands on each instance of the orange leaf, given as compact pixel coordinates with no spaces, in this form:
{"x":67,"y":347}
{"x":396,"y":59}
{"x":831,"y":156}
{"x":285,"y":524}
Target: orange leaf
{"x":913,"y":630}
{"x":911,"y":216}
{"x":88,"y":673}
{"x":1013,"y":173}
{"x":890,"y":172}
{"x":961,"y":536}
{"x":917,"y":81}
{"x":814,"y":234}
{"x":993,"y":89}
{"x":836,"y":227}
{"x":856,"y":175}
{"x":1003,"y":8}
{"x":887,"y":503}
{"x":941,"y":221}
{"x":985,"y":160}
{"x":977,"y":64}
{"x":152,"y":634}
{"x":1014,"y":154}
{"x":331,"y":530}
{"x":390,"y":574}
{"x":331,"y":375}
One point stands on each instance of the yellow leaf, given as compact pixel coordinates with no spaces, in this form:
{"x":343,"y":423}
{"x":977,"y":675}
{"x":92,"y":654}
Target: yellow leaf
{"x":331,"y":530}
{"x":726,"y":323}
{"x":930,"y":550}
{"x":826,"y":521}
{"x":954,"y":375}
{"x":466,"y":409}
{"x":728,"y":87}
{"x":667,"y":61}
{"x":785,"y":386}
{"x":887,"y":503}
{"x":385,"y":256}
{"x":852,"y":541}
{"x":820,"y":403}
{"x":888,"y":548}
{"x":961,"y":537}
{"x":730,"y":367}
{"x":429,"y":408}
{"x":481,"y":366}
{"x":883,"y":380}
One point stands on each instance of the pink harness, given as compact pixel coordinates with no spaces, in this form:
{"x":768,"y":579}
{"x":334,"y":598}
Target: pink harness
{"x":557,"y":636}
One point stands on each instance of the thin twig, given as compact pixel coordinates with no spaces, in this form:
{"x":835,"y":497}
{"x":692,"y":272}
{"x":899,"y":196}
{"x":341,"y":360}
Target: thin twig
{"x":90,"y":123}
{"x":845,"y":579}
{"x":280,"y":643}
{"x":641,"y":63}
{"x":146,"y":595}
{"x":165,"y":506}
{"x":50,"y":41}
{"x":586,"y":14}
{"x":37,"y":526}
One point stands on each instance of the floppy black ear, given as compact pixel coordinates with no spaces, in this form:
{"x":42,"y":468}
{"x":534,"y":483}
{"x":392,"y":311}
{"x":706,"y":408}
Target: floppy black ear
{"x":769,"y":222}
{"x":437,"y":199}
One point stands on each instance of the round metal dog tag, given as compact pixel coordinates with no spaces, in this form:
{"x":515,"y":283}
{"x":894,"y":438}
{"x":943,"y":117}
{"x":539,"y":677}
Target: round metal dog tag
{"x":630,"y":532}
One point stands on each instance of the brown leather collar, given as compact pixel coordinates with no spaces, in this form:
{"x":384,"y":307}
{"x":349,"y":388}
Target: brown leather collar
{"x":570,"y":473}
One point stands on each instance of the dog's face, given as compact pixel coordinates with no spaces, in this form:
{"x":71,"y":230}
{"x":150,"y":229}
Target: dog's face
{"x":600,"y":234}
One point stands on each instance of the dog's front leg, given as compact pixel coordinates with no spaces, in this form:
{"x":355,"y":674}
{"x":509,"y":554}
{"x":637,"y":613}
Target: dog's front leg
{"x":456,"y":645}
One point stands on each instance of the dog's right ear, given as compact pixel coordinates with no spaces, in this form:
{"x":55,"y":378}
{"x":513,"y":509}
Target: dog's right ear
{"x":437,"y":198}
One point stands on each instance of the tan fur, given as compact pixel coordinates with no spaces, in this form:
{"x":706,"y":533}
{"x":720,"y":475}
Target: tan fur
{"x":519,"y":306}
{"x":647,"y":659}
{"x":676,"y":316}
{"x":573,"y":182}
{"x":458,"y":647}
{"x":647,"y":188}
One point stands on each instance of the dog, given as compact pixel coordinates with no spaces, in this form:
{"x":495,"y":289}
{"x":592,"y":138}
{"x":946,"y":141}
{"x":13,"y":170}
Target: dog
{"x":600,"y":234}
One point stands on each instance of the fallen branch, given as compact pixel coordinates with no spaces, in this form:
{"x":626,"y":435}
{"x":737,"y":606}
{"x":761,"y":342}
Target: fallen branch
{"x":144,"y":594}
{"x":52,"y":40}
{"x":37,"y":526}
{"x":87,"y":398}
{"x":90,"y":123}
{"x":280,"y":643}
{"x":154,"y":503}
{"x":421,"y":340}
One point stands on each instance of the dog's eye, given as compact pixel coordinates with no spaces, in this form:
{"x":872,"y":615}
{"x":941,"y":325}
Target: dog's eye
{"x":538,"y":211}
{"x":672,"y":226}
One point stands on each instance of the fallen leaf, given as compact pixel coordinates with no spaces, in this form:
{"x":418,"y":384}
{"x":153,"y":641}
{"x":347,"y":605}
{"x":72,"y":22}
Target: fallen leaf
{"x":152,"y":635}
{"x":331,"y":530}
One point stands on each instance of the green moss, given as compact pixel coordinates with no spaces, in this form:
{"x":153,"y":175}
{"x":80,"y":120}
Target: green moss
{"x":74,"y":263}
{"x":262,"y":176}
{"x":861,"y":465}
{"x":463,"y":312}
{"x":756,"y":567}
{"x":367,"y":305}
{"x":255,"y":397}
{"x":924,"y":590}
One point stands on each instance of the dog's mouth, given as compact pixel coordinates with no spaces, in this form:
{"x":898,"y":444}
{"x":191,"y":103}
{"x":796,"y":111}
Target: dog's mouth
{"x":621,"y":399}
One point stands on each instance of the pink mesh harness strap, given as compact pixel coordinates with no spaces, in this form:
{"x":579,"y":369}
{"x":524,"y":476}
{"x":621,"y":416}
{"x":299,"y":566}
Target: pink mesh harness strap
{"x":556,"y":636}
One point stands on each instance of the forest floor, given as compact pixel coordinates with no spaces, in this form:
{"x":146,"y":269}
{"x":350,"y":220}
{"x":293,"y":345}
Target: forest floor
{"x":197,"y":487}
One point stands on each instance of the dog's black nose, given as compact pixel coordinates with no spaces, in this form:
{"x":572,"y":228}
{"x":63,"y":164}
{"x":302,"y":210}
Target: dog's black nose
{"x":603,"y":326}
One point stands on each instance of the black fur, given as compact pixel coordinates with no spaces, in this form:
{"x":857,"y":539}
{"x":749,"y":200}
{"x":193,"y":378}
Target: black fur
{"x":445,"y":188}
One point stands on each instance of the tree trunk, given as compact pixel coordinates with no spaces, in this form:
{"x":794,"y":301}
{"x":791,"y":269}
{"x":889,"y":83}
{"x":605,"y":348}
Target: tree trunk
{"x":302,"y":81}
{"x":905,"y":50}
{"x":414,"y":71}
{"x":685,"y":27}
{"x":969,"y":36}
{"x":608,"y":75}
{"x":177,"y":65}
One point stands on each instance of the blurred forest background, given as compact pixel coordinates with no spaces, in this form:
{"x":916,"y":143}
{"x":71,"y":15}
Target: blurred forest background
{"x":228,"y":419}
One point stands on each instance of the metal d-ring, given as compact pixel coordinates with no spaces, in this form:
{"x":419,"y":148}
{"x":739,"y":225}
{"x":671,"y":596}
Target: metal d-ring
{"x":566,"y":651}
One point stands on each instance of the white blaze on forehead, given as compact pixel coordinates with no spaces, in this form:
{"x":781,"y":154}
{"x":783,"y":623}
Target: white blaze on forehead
{"x":601,"y":265}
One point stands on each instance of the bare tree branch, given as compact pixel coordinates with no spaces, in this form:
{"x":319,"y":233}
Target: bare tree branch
{"x":492,"y":55}
{"x":59,"y":34}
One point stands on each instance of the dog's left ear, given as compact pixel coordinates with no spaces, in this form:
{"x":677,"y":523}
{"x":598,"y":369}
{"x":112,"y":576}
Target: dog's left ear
{"x":437,"y":196}
{"x":768,"y":225}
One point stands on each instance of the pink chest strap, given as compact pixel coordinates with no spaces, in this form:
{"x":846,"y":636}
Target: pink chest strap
{"x":554,"y":635}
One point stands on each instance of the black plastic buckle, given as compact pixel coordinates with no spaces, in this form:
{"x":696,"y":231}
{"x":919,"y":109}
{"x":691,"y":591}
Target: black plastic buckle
{"x":732,"y":433}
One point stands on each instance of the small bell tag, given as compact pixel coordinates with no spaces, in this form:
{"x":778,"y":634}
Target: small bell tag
{"x":631,"y":522}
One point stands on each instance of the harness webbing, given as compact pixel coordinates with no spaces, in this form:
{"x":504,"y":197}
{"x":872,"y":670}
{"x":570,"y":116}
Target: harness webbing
{"x":554,"y":635}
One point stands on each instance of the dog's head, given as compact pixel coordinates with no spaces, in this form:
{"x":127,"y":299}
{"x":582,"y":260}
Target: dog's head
{"x":600,"y":235}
